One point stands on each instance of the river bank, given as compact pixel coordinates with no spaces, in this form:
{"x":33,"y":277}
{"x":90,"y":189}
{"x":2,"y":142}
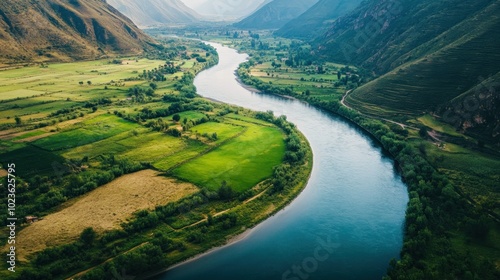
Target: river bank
{"x":333,"y":203}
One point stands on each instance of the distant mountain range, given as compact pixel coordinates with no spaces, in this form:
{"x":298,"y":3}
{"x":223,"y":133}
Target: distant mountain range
{"x":317,"y":19}
{"x":224,"y":10}
{"x":63,"y":30}
{"x":275,"y":14}
{"x":146,"y":13}
{"x":440,"y":57}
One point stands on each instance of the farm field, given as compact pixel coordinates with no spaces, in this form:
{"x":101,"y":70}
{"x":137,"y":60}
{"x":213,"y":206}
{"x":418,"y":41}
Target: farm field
{"x":112,"y":203}
{"x":124,"y":151}
{"x":248,"y":158}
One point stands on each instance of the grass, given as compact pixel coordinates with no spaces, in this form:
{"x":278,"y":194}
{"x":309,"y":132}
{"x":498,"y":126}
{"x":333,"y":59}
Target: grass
{"x":32,"y":161}
{"x":224,"y":131}
{"x":65,"y":77}
{"x":159,"y":146}
{"x":246,"y":119}
{"x":244,"y":153}
{"x":431,"y":122}
{"x":138,"y":144}
{"x":194,"y":149}
{"x":92,"y":130}
{"x":19,"y":93}
{"x":29,"y":135}
{"x":242,"y":163}
{"x":477,"y":179}
{"x":103,"y":209}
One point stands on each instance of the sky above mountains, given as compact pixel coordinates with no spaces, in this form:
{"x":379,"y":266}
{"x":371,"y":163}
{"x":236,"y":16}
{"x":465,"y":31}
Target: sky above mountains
{"x":224,"y":9}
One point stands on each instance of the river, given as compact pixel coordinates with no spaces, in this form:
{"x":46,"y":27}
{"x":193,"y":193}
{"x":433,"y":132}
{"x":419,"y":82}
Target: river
{"x":346,"y":224}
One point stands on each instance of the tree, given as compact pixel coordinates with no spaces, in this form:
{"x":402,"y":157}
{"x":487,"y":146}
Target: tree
{"x":225,"y":191}
{"x":88,"y":236}
{"x":18,"y":120}
{"x":423,"y":132}
{"x":176,"y":117}
{"x":153,"y":86}
{"x":80,"y":82}
{"x":89,"y":83}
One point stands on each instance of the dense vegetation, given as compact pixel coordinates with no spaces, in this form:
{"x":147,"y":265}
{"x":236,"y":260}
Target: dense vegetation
{"x":447,"y":234}
{"x":141,"y":120}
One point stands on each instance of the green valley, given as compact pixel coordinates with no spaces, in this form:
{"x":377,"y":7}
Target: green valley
{"x":190,"y":172}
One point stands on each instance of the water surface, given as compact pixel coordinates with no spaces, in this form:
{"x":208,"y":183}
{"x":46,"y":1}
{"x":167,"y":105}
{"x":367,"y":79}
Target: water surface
{"x":347,"y":223}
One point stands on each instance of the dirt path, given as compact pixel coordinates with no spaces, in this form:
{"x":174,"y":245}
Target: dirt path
{"x":402,"y":125}
{"x":224,"y":211}
{"x":79,"y":274}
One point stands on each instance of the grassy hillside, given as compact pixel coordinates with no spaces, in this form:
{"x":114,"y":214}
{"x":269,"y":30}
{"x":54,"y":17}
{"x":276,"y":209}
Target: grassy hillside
{"x":275,"y":14}
{"x":317,"y":19}
{"x":383,"y":34}
{"x":57,"y":30}
{"x":444,"y":75}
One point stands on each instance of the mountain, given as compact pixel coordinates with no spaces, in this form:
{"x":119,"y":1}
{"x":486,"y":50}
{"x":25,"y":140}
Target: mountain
{"x":63,"y":30}
{"x":223,"y":10}
{"x":155,"y":12}
{"x":438,"y":57}
{"x":275,"y":14}
{"x":315,"y":20}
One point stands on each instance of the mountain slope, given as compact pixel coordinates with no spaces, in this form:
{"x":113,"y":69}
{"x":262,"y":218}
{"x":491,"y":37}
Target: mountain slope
{"x":155,"y":12}
{"x":276,"y":14}
{"x":445,"y":49}
{"x":59,"y":30}
{"x":315,"y":20}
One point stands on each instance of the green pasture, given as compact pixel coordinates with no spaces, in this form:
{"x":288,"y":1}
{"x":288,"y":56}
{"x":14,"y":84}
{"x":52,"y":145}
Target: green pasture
{"x":224,"y":131}
{"x":28,"y":135}
{"x":32,"y":161}
{"x":436,"y":125}
{"x":44,"y":109}
{"x":194,"y":149}
{"x":242,"y":162}
{"x":89,"y":131}
{"x":189,"y":115}
{"x":66,"y":77}
{"x":158,"y":146}
{"x":245,"y":119}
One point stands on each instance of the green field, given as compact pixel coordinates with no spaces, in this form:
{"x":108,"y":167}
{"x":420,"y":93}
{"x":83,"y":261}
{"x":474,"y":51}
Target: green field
{"x":90,"y":131}
{"x":71,"y":139}
{"x":242,"y":162}
{"x":31,"y":161}
{"x":431,"y":122}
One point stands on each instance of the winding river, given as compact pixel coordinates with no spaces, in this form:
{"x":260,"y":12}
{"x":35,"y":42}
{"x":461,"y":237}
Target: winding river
{"x":346,"y":224}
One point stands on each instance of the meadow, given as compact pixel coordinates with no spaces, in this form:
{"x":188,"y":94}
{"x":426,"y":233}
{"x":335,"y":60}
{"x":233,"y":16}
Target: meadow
{"x":122,"y":141}
{"x":241,"y":162}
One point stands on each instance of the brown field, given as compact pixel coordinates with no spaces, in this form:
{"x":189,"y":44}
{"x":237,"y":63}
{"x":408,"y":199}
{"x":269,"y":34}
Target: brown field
{"x":103,"y":209}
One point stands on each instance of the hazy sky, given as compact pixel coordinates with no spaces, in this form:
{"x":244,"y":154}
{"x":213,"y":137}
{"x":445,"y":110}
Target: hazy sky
{"x":193,"y":4}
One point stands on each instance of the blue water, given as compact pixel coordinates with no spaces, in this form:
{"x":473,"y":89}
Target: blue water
{"x":347,"y":223}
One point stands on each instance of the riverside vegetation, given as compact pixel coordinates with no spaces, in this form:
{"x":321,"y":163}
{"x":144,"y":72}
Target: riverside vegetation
{"x":131,"y":170}
{"x":451,"y":227}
